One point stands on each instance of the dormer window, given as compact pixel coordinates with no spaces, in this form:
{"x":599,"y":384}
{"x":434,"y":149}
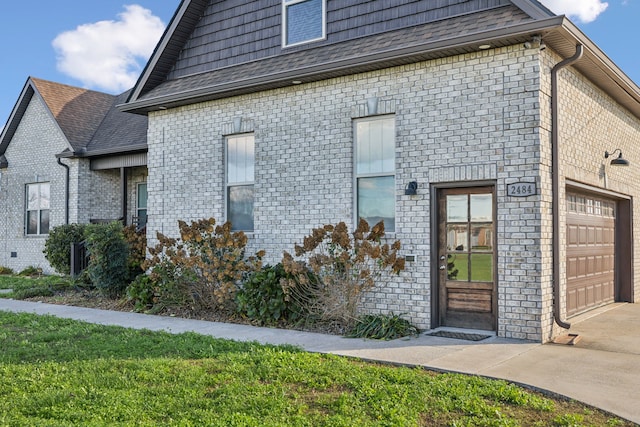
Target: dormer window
{"x":303,"y":21}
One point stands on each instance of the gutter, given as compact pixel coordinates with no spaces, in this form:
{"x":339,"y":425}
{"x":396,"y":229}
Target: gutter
{"x":66,"y":188}
{"x":83,"y":153}
{"x":555,"y":184}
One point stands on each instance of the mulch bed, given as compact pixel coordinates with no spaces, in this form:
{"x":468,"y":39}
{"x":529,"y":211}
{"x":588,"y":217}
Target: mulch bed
{"x":92,"y":298}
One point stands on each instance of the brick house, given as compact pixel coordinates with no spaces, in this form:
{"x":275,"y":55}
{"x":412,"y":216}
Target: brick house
{"x":476,"y":129}
{"x":67,"y":155}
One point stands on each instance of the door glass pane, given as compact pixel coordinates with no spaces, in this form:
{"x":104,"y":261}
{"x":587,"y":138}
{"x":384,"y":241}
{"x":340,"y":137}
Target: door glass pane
{"x":376,"y":201}
{"x":481,"y":237}
{"x":457,"y":267}
{"x":481,"y":267}
{"x":482,"y":207}
{"x":457,"y":208}
{"x":241,"y":207}
{"x":457,"y":237}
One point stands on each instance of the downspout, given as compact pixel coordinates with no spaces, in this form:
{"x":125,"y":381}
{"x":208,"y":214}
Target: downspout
{"x":555,"y":184}
{"x":66,"y":192}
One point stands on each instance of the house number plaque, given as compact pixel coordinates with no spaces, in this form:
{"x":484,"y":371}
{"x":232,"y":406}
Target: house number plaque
{"x":522,"y":189}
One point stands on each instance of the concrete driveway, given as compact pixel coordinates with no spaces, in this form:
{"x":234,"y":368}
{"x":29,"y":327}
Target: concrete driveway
{"x":602,"y":369}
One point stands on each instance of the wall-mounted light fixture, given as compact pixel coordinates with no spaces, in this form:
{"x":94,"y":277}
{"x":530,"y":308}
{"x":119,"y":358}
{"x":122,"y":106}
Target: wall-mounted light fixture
{"x":412,"y":188}
{"x":618,"y":161}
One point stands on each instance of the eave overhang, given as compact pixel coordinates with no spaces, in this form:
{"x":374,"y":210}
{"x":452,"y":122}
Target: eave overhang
{"x":345,"y":66}
{"x":83,"y":154}
{"x":558,"y":33}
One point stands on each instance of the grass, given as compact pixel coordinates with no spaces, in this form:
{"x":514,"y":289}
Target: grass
{"x":56,"y":372}
{"x":25,"y":287}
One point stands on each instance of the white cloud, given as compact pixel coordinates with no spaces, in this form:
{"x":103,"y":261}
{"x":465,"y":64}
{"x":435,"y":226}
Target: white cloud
{"x":109,"y":55}
{"x":583,"y":10}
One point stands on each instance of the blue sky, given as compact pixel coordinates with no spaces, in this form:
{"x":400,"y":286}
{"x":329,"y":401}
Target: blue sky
{"x":103,"y":44}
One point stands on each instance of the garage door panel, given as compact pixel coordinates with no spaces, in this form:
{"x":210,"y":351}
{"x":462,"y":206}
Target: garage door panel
{"x":590,"y":256}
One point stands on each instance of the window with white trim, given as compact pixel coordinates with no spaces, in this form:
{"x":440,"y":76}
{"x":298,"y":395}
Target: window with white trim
{"x":303,"y":21}
{"x":375,"y":170}
{"x":37,"y":208}
{"x":240,"y":156}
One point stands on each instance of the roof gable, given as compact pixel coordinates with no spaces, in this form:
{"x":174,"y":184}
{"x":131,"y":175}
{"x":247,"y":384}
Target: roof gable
{"x":78,"y":111}
{"x":189,"y":64}
{"x":89,"y":120}
{"x":205,"y":35}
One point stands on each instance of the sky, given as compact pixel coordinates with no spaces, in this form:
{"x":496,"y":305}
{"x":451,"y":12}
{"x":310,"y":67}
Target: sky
{"x":104,"y":44}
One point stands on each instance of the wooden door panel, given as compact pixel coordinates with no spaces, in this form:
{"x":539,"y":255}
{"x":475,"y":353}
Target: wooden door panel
{"x":467,"y":288}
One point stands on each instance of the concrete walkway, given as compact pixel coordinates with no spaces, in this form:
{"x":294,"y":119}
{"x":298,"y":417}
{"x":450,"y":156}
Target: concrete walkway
{"x":602,"y":370}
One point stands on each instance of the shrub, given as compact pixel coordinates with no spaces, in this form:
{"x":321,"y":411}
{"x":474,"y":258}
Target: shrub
{"x":5,"y":270}
{"x":263,"y":298}
{"x":31,"y":271}
{"x":137,"y":242}
{"x":382,"y":327}
{"x":108,"y":254}
{"x":141,"y":292}
{"x":345,"y":267}
{"x":205,"y":266}
{"x":57,"y":248}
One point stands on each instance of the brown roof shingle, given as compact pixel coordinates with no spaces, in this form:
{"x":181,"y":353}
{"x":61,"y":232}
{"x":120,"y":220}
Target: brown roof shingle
{"x":78,"y":111}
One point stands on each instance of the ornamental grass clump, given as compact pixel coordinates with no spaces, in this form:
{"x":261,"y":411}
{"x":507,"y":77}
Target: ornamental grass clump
{"x":344,"y":268}
{"x":203,"y":268}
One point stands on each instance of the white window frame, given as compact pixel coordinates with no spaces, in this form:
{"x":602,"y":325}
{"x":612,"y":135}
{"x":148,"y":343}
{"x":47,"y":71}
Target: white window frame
{"x":357,"y":175}
{"x":285,"y":5}
{"x":230,"y":184}
{"x":39,"y":209}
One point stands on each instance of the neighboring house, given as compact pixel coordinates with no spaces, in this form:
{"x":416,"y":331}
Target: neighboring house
{"x":460,"y":123}
{"x":67,"y":155}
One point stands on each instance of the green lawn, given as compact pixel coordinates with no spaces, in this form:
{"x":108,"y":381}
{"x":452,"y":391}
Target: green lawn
{"x":25,"y":287}
{"x":56,"y":372}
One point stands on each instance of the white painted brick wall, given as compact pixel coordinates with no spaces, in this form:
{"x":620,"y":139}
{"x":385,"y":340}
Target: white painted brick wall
{"x":465,"y":118}
{"x":31,"y":157}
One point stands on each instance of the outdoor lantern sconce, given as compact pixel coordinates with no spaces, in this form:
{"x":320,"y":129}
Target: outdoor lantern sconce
{"x":618,"y":161}
{"x":412,"y":189}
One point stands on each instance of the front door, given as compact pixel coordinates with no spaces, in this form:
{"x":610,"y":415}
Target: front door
{"x":467,"y":258}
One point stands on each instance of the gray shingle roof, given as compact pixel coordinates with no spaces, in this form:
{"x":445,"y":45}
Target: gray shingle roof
{"x":119,"y":131}
{"x":361,"y":54}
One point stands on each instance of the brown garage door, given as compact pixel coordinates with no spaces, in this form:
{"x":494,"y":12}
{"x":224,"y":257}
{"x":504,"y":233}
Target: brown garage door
{"x":590,"y":252}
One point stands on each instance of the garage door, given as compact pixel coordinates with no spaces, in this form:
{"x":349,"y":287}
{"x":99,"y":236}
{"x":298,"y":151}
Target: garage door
{"x":590,"y":252}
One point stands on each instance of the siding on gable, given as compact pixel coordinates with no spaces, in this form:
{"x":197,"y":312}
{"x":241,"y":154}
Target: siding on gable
{"x":235,"y":32}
